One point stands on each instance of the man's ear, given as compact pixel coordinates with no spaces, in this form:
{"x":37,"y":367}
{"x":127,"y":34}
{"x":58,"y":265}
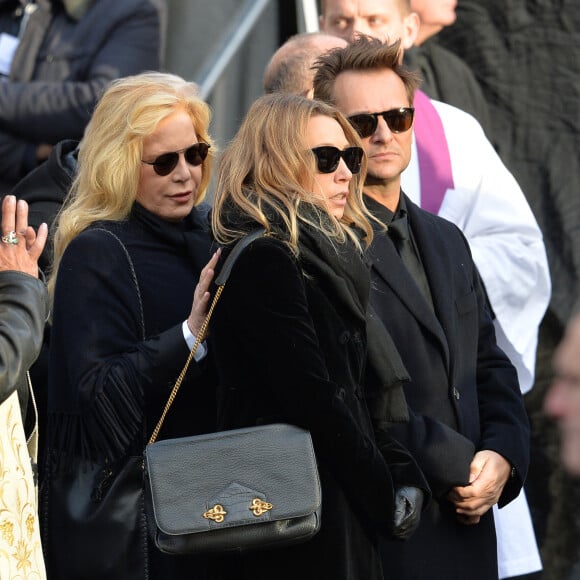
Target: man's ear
{"x":411,"y":25}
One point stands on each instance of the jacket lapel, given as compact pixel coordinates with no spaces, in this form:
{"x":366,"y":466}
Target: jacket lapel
{"x":439,"y":271}
{"x":387,"y":263}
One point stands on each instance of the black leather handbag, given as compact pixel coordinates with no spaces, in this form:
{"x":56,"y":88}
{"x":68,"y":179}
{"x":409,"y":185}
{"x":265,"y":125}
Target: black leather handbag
{"x":234,"y":490}
{"x":251,"y":488}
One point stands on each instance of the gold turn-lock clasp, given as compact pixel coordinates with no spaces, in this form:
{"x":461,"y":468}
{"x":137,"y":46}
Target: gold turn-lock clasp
{"x":217,"y":513}
{"x":259,"y":507}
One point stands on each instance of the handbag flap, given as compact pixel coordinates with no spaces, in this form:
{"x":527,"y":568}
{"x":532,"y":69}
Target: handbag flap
{"x":231,"y":478}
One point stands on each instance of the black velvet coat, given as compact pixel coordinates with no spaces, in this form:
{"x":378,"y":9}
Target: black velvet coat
{"x":463,"y":392}
{"x":289,"y":338}
{"x":117,"y":347}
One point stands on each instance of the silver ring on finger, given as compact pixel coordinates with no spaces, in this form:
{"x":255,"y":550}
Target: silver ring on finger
{"x":10,"y":238}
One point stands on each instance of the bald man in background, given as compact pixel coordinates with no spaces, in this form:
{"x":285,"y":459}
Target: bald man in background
{"x":290,"y":68}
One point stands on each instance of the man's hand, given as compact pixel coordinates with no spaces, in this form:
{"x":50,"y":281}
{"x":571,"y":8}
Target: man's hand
{"x":489,"y":472}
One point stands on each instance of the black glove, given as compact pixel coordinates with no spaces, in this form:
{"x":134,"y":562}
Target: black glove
{"x":407,"y":513}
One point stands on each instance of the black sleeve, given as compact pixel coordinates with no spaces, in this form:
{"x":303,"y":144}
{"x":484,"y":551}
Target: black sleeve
{"x":101,"y":368}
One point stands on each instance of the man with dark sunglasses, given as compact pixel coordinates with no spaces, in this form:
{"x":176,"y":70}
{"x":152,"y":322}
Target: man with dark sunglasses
{"x":456,"y":173}
{"x":468,"y":429}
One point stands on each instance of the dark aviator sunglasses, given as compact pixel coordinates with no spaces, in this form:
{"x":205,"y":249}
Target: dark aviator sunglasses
{"x":328,"y":158}
{"x":397,"y":120}
{"x":166,"y":163}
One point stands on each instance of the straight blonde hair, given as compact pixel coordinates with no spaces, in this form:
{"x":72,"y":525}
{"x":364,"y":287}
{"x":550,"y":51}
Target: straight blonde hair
{"x":263,"y":170}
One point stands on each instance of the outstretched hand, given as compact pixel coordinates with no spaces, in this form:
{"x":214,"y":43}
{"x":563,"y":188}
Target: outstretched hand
{"x":201,"y":295}
{"x":21,"y":246}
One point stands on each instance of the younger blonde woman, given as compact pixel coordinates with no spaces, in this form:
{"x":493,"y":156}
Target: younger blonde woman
{"x":290,"y":334}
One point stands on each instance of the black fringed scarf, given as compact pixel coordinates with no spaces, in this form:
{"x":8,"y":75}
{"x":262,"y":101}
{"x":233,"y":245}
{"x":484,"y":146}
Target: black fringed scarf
{"x":95,"y":424}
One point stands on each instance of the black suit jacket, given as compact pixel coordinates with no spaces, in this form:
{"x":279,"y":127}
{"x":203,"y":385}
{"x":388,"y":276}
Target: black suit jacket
{"x":463,"y":393}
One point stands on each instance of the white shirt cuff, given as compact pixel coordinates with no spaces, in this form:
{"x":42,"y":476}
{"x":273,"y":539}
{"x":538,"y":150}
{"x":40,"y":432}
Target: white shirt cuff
{"x":190,"y":339}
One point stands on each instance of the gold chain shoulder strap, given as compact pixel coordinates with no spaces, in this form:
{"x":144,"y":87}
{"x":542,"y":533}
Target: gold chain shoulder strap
{"x":220,"y":282}
{"x":198,"y":340}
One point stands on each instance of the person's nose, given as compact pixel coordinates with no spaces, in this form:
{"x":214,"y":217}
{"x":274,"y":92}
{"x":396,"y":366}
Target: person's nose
{"x":343,"y":173}
{"x":382,"y":132}
{"x":182,"y":171}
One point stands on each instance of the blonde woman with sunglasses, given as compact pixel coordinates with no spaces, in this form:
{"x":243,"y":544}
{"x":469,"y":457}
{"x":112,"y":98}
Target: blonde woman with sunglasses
{"x":290,"y":333}
{"x":130,"y":259}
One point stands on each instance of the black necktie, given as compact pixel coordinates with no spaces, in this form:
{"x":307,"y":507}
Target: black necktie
{"x":399,"y":231}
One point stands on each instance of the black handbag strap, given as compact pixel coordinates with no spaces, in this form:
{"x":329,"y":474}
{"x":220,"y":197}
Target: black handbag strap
{"x":220,"y":282}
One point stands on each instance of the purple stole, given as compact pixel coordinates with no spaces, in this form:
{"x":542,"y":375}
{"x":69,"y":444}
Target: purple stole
{"x":433,"y":154}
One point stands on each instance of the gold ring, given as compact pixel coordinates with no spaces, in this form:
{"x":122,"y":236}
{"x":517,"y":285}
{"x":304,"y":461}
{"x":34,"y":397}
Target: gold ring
{"x":10,"y":238}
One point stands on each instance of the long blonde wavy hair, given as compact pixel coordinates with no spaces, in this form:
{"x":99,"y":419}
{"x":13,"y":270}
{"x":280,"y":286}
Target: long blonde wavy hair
{"x":110,"y":152}
{"x":263,"y":170}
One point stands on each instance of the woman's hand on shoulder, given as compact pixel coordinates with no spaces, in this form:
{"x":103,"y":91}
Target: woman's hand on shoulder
{"x":202,"y":295}
{"x":21,"y":246}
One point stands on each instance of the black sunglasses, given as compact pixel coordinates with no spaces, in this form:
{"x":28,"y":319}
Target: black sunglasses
{"x":398,"y":121}
{"x":166,"y":163}
{"x":328,"y":158}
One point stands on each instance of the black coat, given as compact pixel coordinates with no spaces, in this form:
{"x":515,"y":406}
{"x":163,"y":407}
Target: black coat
{"x":291,"y":347}
{"x":463,"y":391}
{"x":116,"y":348}
{"x":45,"y":188}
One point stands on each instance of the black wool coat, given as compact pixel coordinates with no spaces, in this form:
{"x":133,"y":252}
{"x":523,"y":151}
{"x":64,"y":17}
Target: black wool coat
{"x":463,"y":394}
{"x":291,"y":348}
{"x":117,"y":347}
